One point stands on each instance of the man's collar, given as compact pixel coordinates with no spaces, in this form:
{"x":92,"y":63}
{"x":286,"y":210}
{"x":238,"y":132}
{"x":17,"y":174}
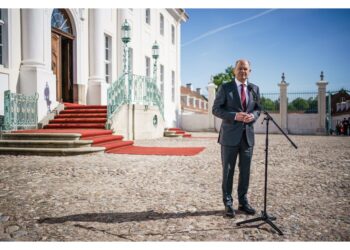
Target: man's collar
{"x":240,"y":83}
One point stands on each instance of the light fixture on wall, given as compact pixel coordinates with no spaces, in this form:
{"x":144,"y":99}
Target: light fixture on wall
{"x":155,"y":55}
{"x":155,"y":50}
{"x":126,"y":31}
{"x":126,"y":38}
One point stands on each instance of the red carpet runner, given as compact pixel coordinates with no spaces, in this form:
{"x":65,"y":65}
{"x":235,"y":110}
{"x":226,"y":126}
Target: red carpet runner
{"x":137,"y":150}
{"x":180,"y":132}
{"x":89,"y":121}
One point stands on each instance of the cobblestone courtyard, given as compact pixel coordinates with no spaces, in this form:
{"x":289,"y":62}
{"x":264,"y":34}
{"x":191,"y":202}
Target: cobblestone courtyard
{"x":110,"y":197}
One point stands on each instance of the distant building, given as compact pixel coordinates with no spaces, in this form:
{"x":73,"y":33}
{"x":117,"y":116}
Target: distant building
{"x":193,"y":101}
{"x":340,"y":103}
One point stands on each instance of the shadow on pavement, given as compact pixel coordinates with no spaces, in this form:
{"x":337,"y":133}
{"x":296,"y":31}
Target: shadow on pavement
{"x":127,"y":217}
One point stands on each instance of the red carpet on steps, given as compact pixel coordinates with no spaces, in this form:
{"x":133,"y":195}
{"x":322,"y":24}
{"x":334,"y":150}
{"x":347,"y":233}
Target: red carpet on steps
{"x":89,"y":121}
{"x":75,"y":116}
{"x":138,"y":150}
{"x":180,"y":132}
{"x":83,"y":132}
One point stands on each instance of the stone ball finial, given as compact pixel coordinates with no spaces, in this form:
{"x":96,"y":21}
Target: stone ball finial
{"x":322,"y":76}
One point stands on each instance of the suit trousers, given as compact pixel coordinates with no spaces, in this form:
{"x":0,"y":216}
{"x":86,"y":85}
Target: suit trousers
{"x":229,"y":157}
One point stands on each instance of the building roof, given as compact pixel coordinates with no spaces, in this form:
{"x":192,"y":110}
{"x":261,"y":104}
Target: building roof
{"x":188,"y":92}
{"x":179,"y":14}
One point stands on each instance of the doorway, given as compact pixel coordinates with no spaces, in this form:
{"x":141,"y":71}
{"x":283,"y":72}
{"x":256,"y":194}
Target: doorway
{"x":62,"y":55}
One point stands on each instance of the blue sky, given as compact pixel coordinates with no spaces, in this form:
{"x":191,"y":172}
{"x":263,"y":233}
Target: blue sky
{"x":298,"y":42}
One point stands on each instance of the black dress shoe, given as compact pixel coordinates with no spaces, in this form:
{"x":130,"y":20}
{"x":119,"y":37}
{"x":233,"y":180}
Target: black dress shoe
{"x":229,"y":211}
{"x":247,"y":209}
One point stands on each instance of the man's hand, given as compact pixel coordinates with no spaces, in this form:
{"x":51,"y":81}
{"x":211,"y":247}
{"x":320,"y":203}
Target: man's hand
{"x":240,"y":116}
{"x":248,"y":118}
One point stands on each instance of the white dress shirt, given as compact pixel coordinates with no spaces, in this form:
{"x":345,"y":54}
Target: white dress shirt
{"x":238,"y":83}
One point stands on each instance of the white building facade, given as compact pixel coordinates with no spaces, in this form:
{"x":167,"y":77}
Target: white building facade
{"x":73,"y":55}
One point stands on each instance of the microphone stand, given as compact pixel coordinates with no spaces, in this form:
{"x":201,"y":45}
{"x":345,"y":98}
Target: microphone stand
{"x":264,"y":216}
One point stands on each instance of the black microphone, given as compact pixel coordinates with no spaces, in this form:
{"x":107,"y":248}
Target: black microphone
{"x":255,"y":96}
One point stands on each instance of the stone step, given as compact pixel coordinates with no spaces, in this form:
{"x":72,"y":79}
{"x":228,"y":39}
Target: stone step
{"x":84,"y":111}
{"x":75,"y":126}
{"x":85,"y":107}
{"x":50,"y":151}
{"x":82,"y":115}
{"x":171,"y":134}
{"x":41,"y":136}
{"x":45,"y":143}
{"x":78,"y":120}
{"x":179,"y":132}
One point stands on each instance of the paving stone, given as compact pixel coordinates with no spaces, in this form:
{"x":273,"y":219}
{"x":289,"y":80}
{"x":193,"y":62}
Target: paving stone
{"x":12,"y":229}
{"x":110,"y":197}
{"x":4,"y":218}
{"x":19,"y":233}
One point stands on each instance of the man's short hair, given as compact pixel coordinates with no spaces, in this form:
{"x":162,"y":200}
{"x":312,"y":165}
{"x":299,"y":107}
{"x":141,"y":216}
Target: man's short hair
{"x":242,"y":60}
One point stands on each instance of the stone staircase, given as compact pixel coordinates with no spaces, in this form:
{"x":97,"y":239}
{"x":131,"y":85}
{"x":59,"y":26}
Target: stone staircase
{"x":59,"y":144}
{"x":80,"y":116}
{"x":78,"y":129}
{"x":175,"y":132}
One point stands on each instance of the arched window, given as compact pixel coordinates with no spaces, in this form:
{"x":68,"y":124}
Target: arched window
{"x":60,"y":21}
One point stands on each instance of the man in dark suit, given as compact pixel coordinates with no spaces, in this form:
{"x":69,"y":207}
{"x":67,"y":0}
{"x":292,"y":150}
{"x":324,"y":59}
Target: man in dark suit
{"x":237,"y":104}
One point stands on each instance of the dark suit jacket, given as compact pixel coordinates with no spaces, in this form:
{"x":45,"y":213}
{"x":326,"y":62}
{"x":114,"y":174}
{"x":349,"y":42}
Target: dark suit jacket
{"x":226,"y":104}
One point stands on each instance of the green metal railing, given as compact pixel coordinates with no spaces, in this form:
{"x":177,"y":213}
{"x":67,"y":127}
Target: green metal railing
{"x":116,"y":96}
{"x":21,"y":111}
{"x":144,"y":91}
{"x":134,"y":89}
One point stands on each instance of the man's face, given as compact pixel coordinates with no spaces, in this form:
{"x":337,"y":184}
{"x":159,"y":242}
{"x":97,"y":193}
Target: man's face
{"x":242,"y":71}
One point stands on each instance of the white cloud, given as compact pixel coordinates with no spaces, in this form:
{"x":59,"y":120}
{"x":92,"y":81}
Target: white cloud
{"x":214,"y":31}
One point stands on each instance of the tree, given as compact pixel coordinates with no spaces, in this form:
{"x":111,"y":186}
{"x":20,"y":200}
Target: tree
{"x":312,"y":105}
{"x":298,"y":104}
{"x":268,"y":104}
{"x":224,"y":77}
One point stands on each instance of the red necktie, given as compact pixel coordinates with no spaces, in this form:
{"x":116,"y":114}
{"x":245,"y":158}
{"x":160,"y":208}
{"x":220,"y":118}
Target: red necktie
{"x":243,"y":99}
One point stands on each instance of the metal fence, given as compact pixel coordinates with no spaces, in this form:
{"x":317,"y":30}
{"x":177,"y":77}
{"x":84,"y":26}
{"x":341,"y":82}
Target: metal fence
{"x":133,"y":89}
{"x":270,"y":102}
{"x":145,"y":91}
{"x":116,"y":96}
{"x":304,"y":102}
{"x":21,"y":111}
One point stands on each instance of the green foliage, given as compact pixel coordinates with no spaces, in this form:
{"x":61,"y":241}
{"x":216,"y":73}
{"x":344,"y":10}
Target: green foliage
{"x":269,"y":105}
{"x":343,"y":91}
{"x":224,"y":77}
{"x":300,"y":104}
{"x":297,"y":105}
{"x":312,"y":104}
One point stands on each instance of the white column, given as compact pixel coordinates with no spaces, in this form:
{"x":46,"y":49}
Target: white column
{"x":34,"y":73}
{"x":321,"y":102}
{"x":283,"y":104}
{"x":32,"y":37}
{"x":97,"y":87}
{"x":211,"y":98}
